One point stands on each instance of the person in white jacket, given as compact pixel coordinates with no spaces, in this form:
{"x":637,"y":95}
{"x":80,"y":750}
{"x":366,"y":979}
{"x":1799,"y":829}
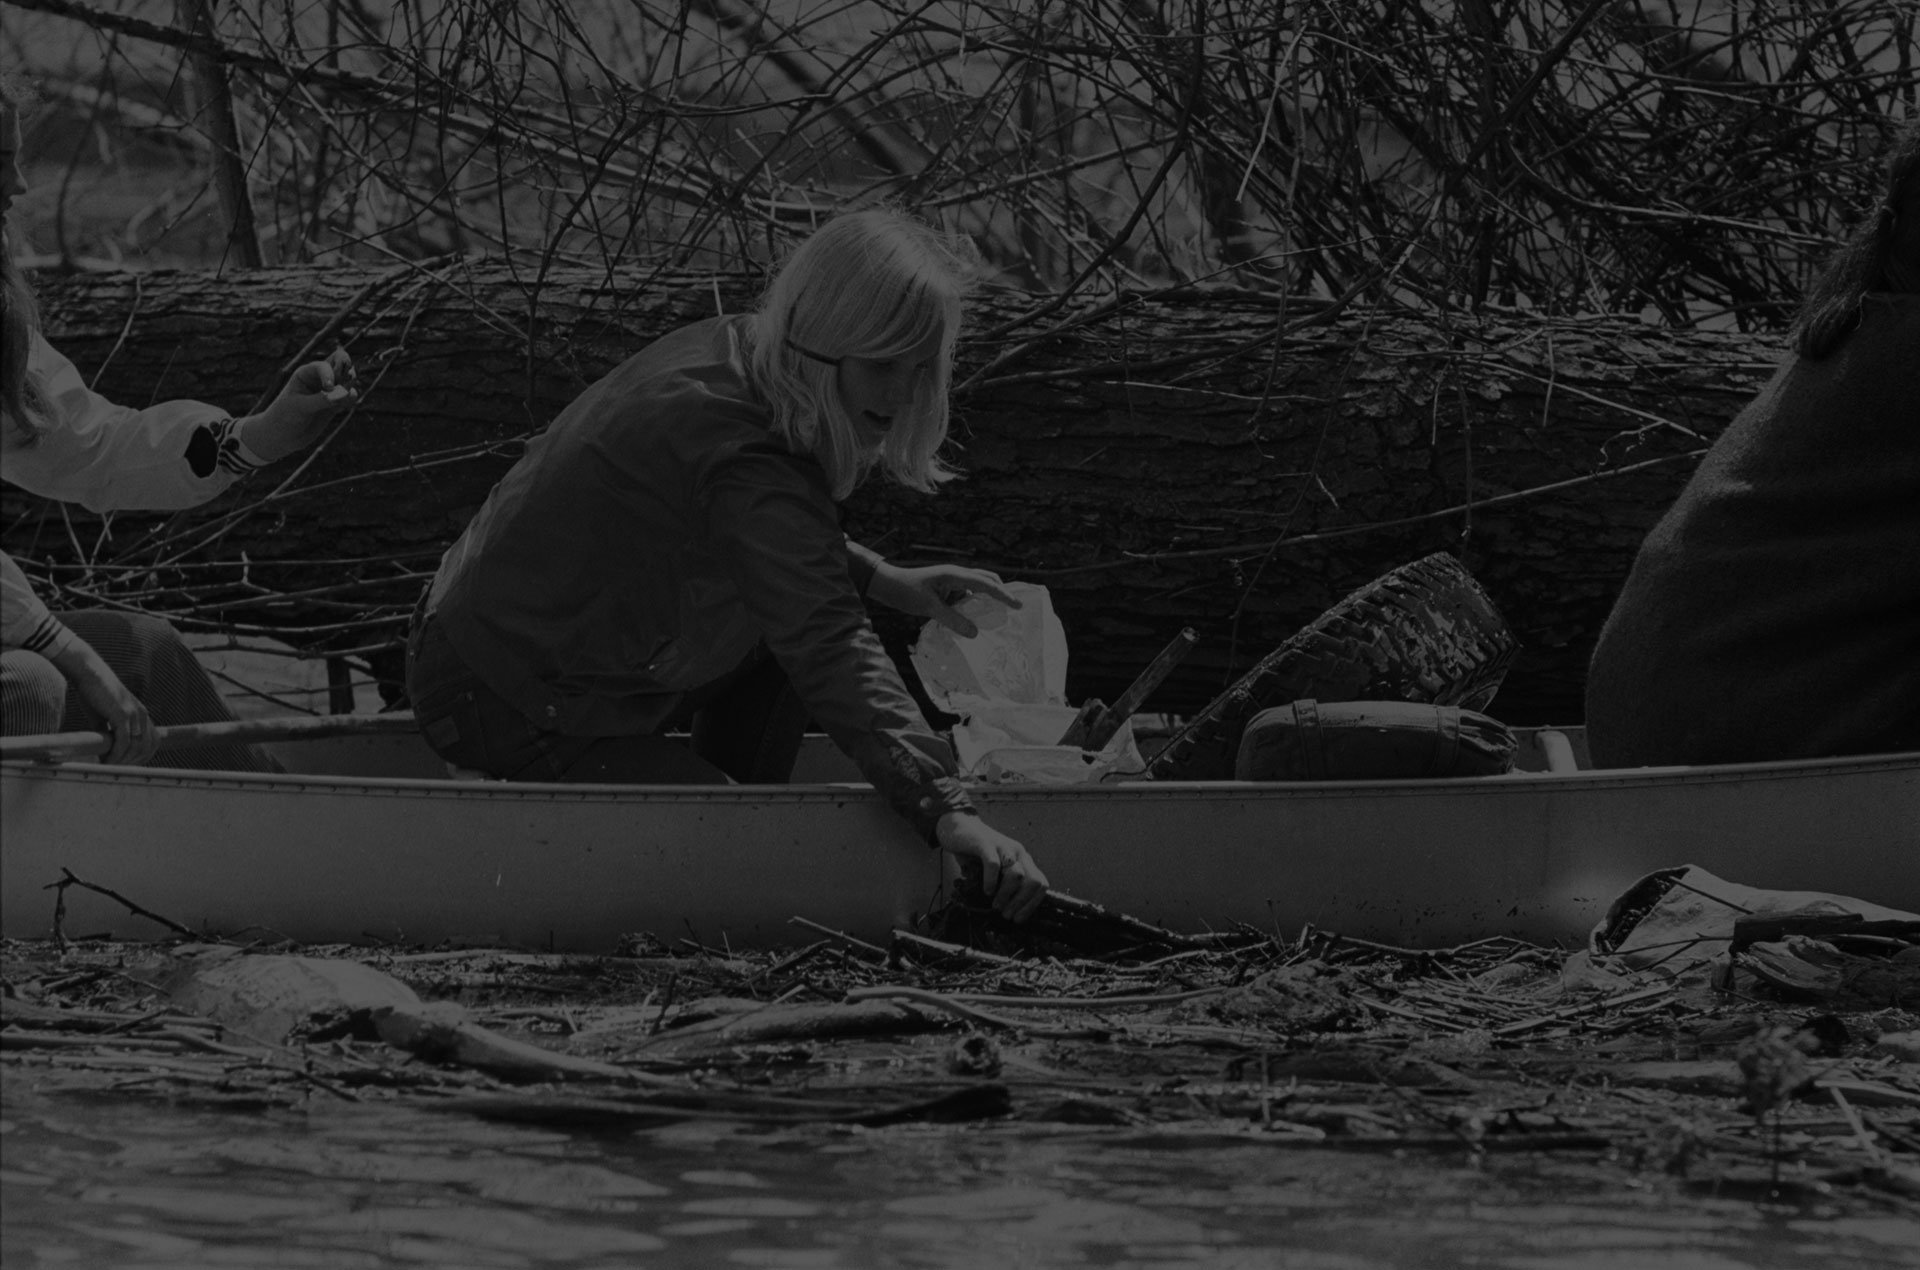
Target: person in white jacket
{"x":121,"y":672}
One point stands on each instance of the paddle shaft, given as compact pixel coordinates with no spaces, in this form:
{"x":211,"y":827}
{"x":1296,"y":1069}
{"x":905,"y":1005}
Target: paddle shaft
{"x":55,"y":747}
{"x":1095,"y":725}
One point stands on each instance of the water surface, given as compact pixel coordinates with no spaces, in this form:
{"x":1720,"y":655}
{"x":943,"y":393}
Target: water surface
{"x":89,"y":1181}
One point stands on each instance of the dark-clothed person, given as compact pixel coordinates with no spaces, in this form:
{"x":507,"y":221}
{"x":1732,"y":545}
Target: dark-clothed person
{"x":1774,"y":611}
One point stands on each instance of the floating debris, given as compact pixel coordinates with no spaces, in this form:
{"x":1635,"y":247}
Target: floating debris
{"x":1313,"y":1042}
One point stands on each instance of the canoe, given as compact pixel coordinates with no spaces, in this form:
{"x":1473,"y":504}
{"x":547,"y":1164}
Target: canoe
{"x":366,"y":839}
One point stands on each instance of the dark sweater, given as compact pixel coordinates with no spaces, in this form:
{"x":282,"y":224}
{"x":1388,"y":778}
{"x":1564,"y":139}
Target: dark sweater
{"x":648,"y":540}
{"x":1774,"y":612}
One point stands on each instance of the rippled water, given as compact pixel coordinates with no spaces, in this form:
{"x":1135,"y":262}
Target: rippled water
{"x":89,"y":1182}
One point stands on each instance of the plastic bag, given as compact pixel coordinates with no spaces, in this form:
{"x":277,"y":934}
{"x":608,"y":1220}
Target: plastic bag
{"x":1674,"y":919}
{"x":1008,"y":685}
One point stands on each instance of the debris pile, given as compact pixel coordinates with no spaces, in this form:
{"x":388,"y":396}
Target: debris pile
{"x":1782,"y":1065}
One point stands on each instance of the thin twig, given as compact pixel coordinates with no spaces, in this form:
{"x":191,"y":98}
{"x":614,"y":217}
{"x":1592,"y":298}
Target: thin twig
{"x":68,"y":879}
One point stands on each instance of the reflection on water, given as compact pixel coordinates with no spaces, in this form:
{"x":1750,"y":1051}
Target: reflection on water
{"x":90,"y":1183}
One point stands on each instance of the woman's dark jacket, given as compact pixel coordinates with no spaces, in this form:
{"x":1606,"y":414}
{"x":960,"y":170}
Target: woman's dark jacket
{"x":648,"y":540}
{"x":1774,"y":612}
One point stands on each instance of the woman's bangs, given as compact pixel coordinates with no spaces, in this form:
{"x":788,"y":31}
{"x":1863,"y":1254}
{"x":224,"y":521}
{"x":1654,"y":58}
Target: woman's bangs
{"x":922,"y":313}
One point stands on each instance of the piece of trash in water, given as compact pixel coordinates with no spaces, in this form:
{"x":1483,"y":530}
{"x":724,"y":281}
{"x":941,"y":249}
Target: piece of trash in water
{"x":975,"y":1054}
{"x":1008,"y":685}
{"x":1846,"y":953}
{"x":1674,"y":919}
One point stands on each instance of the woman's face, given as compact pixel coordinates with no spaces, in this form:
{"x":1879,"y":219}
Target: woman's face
{"x":874,"y":390}
{"x":12,"y":181}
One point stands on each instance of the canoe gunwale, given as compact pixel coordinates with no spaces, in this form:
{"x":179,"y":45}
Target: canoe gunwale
{"x":1126,"y":791}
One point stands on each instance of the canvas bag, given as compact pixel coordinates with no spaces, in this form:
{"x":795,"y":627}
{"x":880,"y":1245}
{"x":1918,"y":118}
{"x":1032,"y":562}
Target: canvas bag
{"x":1371,"y":740}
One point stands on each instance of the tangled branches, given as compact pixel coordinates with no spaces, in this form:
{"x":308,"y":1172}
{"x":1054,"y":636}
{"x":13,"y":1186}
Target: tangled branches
{"x":1570,"y":155}
{"x":1659,"y":161}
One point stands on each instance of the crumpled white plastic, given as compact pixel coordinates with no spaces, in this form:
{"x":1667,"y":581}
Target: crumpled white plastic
{"x":1690,"y":919}
{"x":1008,"y":684}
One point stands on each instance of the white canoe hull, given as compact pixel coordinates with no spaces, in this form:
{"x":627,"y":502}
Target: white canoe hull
{"x":355,"y":859}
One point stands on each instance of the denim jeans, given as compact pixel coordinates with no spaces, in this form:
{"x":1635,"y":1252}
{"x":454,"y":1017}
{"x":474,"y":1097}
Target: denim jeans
{"x":746,"y":726}
{"x":148,"y":656}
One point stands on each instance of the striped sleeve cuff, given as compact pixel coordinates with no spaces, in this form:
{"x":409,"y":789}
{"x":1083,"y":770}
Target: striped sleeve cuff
{"x":218,"y":446}
{"x":49,"y":637}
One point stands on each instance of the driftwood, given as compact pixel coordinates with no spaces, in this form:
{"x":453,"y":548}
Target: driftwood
{"x":1799,"y":968}
{"x":270,"y":999}
{"x":1190,"y":458}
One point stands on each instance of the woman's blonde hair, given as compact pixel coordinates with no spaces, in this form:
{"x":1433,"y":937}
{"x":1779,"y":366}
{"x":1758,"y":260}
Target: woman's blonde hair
{"x":24,"y":408}
{"x":870,"y":284}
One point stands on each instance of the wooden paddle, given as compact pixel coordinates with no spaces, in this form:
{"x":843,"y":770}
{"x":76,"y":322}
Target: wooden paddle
{"x":57,"y":747}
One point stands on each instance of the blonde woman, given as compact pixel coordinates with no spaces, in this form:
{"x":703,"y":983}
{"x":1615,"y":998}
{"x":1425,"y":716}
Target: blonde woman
{"x":110,"y":670}
{"x":667,"y":554}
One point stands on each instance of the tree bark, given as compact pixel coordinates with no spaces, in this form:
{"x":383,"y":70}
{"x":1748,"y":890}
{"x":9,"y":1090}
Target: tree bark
{"x":213,"y":106}
{"x":1162,"y":463}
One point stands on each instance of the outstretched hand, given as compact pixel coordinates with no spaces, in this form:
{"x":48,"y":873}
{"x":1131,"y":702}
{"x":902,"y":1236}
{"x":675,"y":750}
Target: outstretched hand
{"x":1009,"y":876}
{"x":933,"y":591}
{"x":315,"y":395}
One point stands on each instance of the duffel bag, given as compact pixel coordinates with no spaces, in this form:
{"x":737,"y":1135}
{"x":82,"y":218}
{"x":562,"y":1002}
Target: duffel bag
{"x":1371,"y":740}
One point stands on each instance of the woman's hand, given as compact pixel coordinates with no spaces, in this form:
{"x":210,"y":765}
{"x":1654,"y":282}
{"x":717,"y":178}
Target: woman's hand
{"x":130,"y":733}
{"x":312,"y":399}
{"x":932,"y":591}
{"x":1008,"y":874}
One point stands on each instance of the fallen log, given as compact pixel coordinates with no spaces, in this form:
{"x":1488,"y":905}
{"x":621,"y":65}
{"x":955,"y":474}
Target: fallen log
{"x":1159,"y":461}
